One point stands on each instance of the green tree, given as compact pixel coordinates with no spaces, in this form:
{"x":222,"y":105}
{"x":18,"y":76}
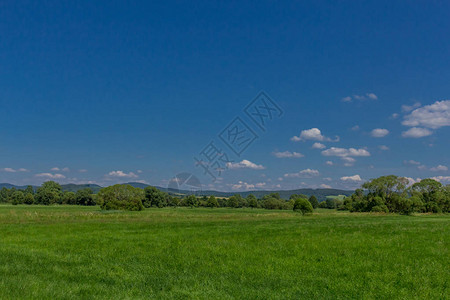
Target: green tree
{"x":233,"y":202}
{"x":48,"y":193}
{"x":252,"y":201}
{"x":29,"y":190}
{"x":17,"y":197}
{"x":314,"y":202}
{"x":121,"y":197}
{"x":28,"y":199}
{"x":154,"y":197}
{"x":4,"y":195}
{"x":191,"y":201}
{"x":69,"y":198}
{"x":212,"y":202}
{"x":84,"y":197}
{"x":302,"y":205}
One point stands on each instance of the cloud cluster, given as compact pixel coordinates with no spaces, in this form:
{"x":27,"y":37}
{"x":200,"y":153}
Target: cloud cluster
{"x":307,"y":173}
{"x":287,"y":154}
{"x":51,"y":175}
{"x":367,"y":96}
{"x":245,"y":164}
{"x":343,"y":152}
{"x":121,"y":174}
{"x":313,"y":134}
{"x":428,"y":117}
{"x":56,"y":169}
{"x":247,"y":186}
{"x":354,"y":178}
{"x":318,"y":146}
{"x":11,"y":170}
{"x":379,"y":132}
{"x":439,"y":168}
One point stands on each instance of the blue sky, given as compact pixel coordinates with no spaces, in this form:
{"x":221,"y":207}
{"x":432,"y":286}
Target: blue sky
{"x":110,"y":91}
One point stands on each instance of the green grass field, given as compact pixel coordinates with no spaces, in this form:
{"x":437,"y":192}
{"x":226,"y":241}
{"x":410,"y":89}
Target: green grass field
{"x":81,"y":252}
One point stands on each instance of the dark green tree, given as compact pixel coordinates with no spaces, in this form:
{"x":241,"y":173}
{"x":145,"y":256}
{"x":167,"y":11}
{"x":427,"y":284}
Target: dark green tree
{"x":85,"y":197}
{"x":314,"y":202}
{"x":154,"y":197}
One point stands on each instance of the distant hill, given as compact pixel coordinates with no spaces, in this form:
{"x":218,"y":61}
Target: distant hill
{"x":321,"y":194}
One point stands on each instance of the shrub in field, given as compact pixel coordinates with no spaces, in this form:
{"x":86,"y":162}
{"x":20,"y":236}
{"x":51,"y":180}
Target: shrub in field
{"x":302,"y":205}
{"x":120,"y":197}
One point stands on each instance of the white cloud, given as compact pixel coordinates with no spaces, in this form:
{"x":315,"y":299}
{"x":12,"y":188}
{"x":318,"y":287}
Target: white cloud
{"x":411,"y":181}
{"x":442,"y":179}
{"x":432,"y":116}
{"x":313,"y":134}
{"x":394,"y":116}
{"x":367,"y":96}
{"x":307,"y":173}
{"x":287,"y":154}
{"x":342,"y":152}
{"x":329,"y":163}
{"x":11,"y":170}
{"x":325,"y":186}
{"x":411,"y":162}
{"x":346,"y":154}
{"x":408,"y":108}
{"x":51,"y":176}
{"x":56,"y":169}
{"x":245,"y":164}
{"x":379,"y":132}
{"x":416,"y":132}
{"x":82,"y":171}
{"x":347,"y":99}
{"x":439,"y":168}
{"x":355,"y":178}
{"x":349,"y":161}
{"x":318,"y":146}
{"x":241,"y":185}
{"x":383,"y":147}
{"x":122,"y":174}
{"x":355,"y":128}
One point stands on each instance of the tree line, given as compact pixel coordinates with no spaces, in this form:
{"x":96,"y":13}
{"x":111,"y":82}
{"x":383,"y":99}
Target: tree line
{"x":384,"y":194}
{"x":392,"y":194}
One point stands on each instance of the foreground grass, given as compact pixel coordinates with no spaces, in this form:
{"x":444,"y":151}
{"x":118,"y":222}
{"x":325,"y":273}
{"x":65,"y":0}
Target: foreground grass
{"x":78,"y":252}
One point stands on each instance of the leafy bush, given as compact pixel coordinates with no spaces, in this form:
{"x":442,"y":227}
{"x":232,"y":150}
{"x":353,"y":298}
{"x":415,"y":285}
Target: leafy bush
{"x":121,"y":197}
{"x":303,"y":206}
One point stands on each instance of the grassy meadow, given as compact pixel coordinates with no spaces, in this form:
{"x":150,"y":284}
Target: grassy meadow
{"x":70,"y":252}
